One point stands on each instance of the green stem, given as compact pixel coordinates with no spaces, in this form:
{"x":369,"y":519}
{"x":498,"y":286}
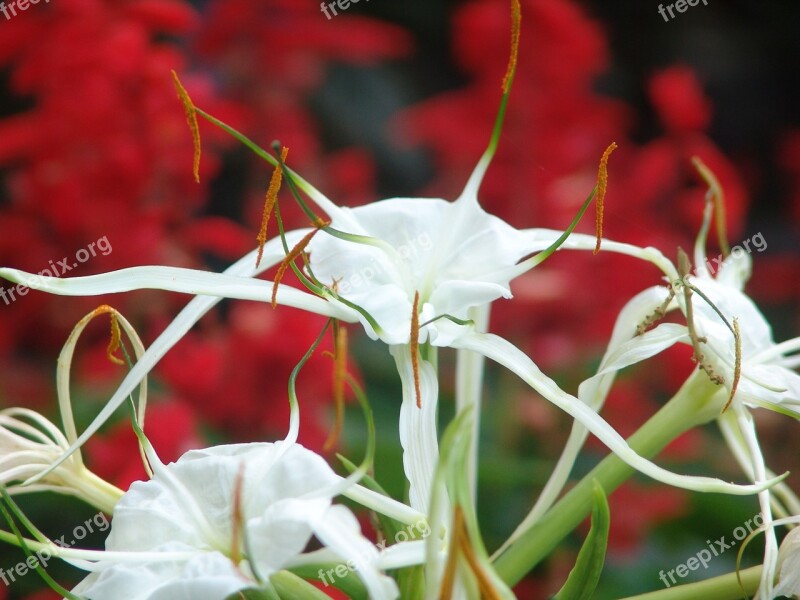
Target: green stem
{"x":691,"y":406}
{"x":724,"y":587}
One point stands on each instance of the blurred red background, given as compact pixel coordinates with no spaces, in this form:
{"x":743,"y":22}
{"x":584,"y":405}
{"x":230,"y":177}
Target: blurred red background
{"x":386,"y":100}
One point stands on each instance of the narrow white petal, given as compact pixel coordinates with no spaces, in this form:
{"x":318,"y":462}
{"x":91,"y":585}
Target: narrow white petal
{"x":186,"y":281}
{"x":338,"y":529}
{"x":469,"y":381}
{"x":593,"y":392}
{"x":540,"y":239}
{"x":384,"y":505}
{"x":191,"y":313}
{"x":508,"y":355}
{"x":404,"y":554}
{"x":748,"y":429}
{"x":418,"y":427}
{"x":644,"y":346}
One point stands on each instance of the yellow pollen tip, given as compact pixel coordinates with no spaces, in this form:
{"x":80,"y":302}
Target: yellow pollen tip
{"x":290,"y":258}
{"x":269,"y":204}
{"x":516,"y":26}
{"x":716,"y":195}
{"x":115,"y":342}
{"x":602,"y":185}
{"x":449,"y":576}
{"x":191,"y":119}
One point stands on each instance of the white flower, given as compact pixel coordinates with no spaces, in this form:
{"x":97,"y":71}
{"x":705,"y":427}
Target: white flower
{"x":224,"y":519}
{"x":735,"y":347}
{"x":766,"y":379}
{"x":453,"y":254}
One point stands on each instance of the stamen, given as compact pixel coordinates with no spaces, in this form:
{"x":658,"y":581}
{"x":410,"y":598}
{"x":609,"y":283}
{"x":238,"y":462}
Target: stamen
{"x":449,"y":577}
{"x":516,"y":25}
{"x":290,"y":258}
{"x":339,"y":380}
{"x":115,"y":343}
{"x":684,"y":268}
{"x":116,"y":340}
{"x":602,"y":184}
{"x":191,"y":119}
{"x":485,"y":585}
{"x":269,"y":204}
{"x":737,"y":370}
{"x":717,"y":195}
{"x":415,"y":347}
{"x":238,"y":518}
{"x":656,"y":315}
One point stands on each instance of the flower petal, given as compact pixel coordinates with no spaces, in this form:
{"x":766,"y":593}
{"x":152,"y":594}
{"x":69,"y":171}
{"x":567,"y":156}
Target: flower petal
{"x":644,"y":346}
{"x":593,"y":392}
{"x":208,"y":576}
{"x":508,"y":355}
{"x":418,"y":427}
{"x":191,"y":313}
{"x":339,"y":530}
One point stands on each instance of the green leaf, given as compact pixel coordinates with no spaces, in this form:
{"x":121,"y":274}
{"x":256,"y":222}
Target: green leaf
{"x":350,"y":583}
{"x":585,"y":575}
{"x":290,"y":586}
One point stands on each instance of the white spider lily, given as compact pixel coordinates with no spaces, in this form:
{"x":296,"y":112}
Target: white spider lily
{"x":29,"y":444}
{"x":734,"y":346}
{"x":224,"y":519}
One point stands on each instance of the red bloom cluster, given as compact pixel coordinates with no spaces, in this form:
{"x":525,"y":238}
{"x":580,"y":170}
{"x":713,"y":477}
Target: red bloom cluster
{"x":93,"y":143}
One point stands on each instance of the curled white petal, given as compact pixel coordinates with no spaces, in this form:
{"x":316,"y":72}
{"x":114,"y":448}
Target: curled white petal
{"x":508,"y":355}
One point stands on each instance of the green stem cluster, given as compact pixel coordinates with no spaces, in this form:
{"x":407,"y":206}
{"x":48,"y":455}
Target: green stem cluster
{"x":694,"y":404}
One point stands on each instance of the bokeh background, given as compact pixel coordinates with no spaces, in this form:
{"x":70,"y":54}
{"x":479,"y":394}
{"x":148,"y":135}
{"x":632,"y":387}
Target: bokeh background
{"x":389,"y":99}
